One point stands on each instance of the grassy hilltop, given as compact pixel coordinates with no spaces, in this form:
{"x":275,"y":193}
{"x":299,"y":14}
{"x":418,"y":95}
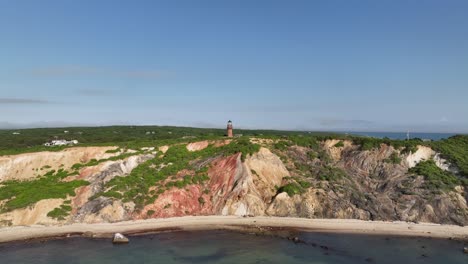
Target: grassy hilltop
{"x":32,"y":140}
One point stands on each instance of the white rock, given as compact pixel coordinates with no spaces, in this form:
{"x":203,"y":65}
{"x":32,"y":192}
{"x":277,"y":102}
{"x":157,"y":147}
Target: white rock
{"x":120,"y":239}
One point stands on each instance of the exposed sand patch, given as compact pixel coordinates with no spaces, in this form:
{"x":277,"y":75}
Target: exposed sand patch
{"x":29,"y":165}
{"x":240,"y":223}
{"x":33,"y":214}
{"x":220,"y":143}
{"x":423,"y":153}
{"x":196,"y":146}
{"x":163,"y":149}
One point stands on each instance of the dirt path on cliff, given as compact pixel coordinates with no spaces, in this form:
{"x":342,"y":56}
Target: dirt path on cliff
{"x":238,"y":223}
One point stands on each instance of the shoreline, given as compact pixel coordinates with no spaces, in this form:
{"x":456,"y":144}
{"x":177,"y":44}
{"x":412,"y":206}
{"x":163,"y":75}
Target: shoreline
{"x":234,"y":223}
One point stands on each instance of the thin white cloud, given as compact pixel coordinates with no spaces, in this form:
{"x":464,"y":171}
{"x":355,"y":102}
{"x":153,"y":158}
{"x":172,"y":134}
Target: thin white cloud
{"x":92,"y":92}
{"x":13,"y":101}
{"x":85,"y":71}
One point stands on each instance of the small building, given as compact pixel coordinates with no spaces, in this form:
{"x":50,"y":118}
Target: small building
{"x":61,"y":142}
{"x":229,"y":129}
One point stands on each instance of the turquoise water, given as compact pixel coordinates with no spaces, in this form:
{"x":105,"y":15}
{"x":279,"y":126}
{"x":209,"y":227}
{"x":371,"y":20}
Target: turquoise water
{"x":233,"y":247}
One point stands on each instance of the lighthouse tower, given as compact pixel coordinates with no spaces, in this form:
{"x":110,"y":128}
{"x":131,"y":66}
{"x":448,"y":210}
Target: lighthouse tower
{"x":229,"y":129}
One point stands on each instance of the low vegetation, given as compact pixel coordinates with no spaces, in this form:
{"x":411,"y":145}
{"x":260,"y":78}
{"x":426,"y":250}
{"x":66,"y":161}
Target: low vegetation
{"x":60,"y":213}
{"x":394,"y":158}
{"x":455,"y":149}
{"x":291,"y":189}
{"x":435,"y":178}
{"x":340,"y":144}
{"x":20,"y":194}
{"x":134,"y":137}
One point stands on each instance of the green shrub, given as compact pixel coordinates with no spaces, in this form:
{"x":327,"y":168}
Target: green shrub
{"x":409,"y":149}
{"x":201,"y":200}
{"x":304,"y":184}
{"x":20,"y":194}
{"x":435,"y":178}
{"x":291,"y":189}
{"x":455,"y":149}
{"x":340,"y":144}
{"x":113,"y":194}
{"x":242,"y":145}
{"x":110,"y":151}
{"x":312,"y":155}
{"x":331,"y":174}
{"x":150,"y":212}
{"x":281,"y":145}
{"x":394,"y":158}
{"x":60,"y":213}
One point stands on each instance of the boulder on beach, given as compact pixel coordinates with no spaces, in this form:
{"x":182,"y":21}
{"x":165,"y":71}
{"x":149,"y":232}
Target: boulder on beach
{"x":120,"y":239}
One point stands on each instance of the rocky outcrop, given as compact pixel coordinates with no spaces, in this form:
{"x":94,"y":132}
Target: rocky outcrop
{"x":375,"y":189}
{"x":333,"y":150}
{"x":234,"y":188}
{"x":120,"y":239}
{"x":103,"y":209}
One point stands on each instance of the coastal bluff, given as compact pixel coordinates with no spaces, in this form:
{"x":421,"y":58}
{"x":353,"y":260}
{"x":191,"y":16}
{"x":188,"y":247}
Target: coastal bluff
{"x":333,"y":179}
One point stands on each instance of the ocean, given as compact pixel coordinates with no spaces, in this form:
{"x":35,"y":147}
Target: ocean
{"x":403,"y":135}
{"x":234,"y":247}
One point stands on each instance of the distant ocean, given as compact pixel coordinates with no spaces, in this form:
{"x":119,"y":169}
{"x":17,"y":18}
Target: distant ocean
{"x":402,"y":135}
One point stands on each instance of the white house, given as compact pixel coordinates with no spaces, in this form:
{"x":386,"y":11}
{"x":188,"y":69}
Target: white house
{"x":61,"y":142}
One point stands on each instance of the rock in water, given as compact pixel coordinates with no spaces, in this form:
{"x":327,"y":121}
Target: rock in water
{"x":120,"y":239}
{"x":465,"y":250}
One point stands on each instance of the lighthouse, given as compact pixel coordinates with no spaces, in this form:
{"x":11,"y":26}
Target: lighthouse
{"x":229,"y":129}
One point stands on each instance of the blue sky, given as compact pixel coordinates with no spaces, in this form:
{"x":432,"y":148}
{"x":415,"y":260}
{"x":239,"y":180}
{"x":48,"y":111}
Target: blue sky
{"x":308,"y":65}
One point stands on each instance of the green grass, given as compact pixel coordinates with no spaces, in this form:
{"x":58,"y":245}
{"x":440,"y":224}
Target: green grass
{"x":32,"y":140}
{"x":241,"y":145}
{"x":435,"y":178}
{"x":60,"y":213}
{"x":291,"y":189}
{"x":455,"y":149}
{"x":20,"y":194}
{"x":340,"y":144}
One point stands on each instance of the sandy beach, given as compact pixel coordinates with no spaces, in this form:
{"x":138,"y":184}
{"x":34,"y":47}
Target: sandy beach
{"x":236,"y":223}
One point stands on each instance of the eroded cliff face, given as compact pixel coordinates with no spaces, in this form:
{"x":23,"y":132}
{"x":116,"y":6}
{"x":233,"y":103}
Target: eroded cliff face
{"x":367,"y":187}
{"x":375,"y":189}
{"x":103,"y":209}
{"x":255,"y":185}
{"x":234,"y":188}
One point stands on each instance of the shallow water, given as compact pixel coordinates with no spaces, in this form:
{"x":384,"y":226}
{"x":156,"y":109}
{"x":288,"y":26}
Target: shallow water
{"x":233,"y":247}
